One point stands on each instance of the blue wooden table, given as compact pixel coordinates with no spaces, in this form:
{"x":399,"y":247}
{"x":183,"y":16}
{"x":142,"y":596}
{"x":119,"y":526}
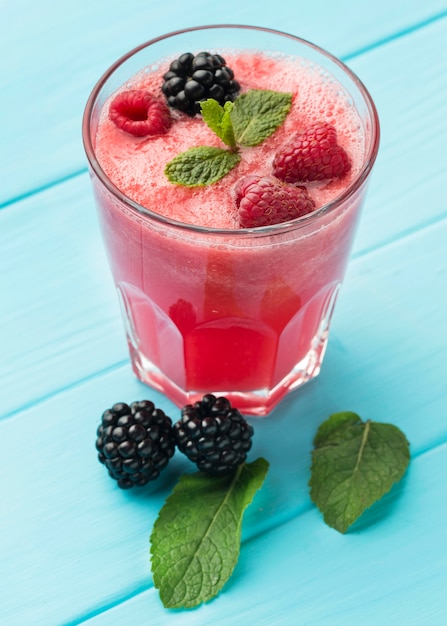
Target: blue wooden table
{"x":74,"y":548}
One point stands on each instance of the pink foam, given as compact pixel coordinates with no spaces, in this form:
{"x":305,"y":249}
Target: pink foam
{"x":136,"y":165}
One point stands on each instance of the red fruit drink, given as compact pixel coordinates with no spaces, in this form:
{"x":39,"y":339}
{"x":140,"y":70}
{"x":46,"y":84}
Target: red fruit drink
{"x":211,"y":307}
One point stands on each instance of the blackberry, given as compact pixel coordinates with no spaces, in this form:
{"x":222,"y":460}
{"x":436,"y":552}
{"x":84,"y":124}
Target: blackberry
{"x":191,"y":79}
{"x":135,"y":442}
{"x":213,"y":435}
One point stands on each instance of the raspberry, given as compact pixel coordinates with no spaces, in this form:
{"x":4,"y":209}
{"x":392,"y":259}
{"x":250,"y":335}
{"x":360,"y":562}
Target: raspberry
{"x":139,"y":113}
{"x":313,"y":154}
{"x":191,"y":79}
{"x":213,"y":435}
{"x":135,"y":442}
{"x":265,"y":200}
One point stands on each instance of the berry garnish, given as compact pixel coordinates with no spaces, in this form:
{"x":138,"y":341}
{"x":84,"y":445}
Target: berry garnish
{"x":265,"y":200}
{"x":139,"y":113}
{"x":135,"y":442}
{"x":192,"y":79}
{"x":313,"y":154}
{"x":213,"y":435}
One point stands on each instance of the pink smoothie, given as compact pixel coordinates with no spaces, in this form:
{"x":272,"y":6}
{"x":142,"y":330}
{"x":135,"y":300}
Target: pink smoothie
{"x":234,"y":313}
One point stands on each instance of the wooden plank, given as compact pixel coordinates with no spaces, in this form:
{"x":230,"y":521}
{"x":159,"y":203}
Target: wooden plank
{"x":85,"y":543}
{"x":45,"y":146}
{"x":407,"y":187}
{"x":389,"y":336}
{"x":60,"y":320}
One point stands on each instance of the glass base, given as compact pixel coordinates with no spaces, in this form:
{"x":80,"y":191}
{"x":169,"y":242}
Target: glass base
{"x":259,"y":402}
{"x":169,"y":375}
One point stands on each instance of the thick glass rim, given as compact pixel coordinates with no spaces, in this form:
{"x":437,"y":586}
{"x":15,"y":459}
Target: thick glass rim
{"x":258,"y":231}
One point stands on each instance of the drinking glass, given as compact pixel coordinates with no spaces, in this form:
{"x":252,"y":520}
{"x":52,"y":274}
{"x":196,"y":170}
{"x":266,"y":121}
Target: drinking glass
{"x":241,"y":313}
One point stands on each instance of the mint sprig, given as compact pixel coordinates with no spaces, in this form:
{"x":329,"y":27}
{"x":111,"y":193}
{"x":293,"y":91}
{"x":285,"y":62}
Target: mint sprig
{"x":195,"y":541}
{"x":354,"y":464}
{"x":254,"y":116}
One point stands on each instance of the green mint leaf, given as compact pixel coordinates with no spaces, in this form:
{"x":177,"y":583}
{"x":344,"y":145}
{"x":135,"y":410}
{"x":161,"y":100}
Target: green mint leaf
{"x":201,"y":165}
{"x":218,"y":118}
{"x":257,"y":114}
{"x":354,"y":464}
{"x":195,"y":541}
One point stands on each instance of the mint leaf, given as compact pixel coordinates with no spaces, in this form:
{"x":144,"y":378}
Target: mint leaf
{"x":257,"y":114}
{"x":201,"y":165}
{"x":218,"y":118}
{"x":354,"y":464}
{"x":196,"y":538}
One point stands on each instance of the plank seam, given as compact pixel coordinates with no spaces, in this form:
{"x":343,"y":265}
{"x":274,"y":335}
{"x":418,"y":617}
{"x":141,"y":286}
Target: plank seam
{"x":42,"y":188}
{"x":405,"y":234}
{"x":404,"y":32}
{"x":52,"y":394}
